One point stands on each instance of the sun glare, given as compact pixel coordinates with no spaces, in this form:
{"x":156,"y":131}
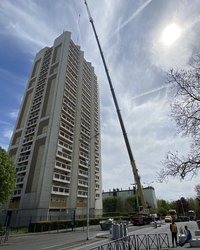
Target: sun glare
{"x":170,"y":34}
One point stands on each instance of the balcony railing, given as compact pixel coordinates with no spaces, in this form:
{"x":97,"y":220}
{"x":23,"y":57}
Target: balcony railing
{"x":60,"y":190}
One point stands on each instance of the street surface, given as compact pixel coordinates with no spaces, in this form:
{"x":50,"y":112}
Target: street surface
{"x":76,"y":240}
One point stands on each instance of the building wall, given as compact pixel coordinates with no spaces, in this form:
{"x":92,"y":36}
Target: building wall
{"x":149,"y":195}
{"x":56,"y":142}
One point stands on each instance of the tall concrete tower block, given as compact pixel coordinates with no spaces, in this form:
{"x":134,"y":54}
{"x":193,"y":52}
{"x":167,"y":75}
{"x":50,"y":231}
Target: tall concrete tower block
{"x":56,"y":140}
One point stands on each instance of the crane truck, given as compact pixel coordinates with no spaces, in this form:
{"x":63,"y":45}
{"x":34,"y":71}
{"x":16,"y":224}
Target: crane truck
{"x":141,"y":215}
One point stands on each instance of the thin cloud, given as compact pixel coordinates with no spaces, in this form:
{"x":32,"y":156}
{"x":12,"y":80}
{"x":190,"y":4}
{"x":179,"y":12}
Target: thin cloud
{"x":13,"y":114}
{"x":7,"y":133}
{"x":128,"y":20}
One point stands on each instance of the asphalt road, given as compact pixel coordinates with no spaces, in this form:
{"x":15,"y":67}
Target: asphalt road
{"x":76,"y":240}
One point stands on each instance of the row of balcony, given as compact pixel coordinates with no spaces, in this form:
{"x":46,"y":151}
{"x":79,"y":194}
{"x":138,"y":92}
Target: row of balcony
{"x":61,"y":178}
{"x":85,"y":131}
{"x":86,"y":96}
{"x":66,"y":127}
{"x":30,"y":131}
{"x":25,"y":148}
{"x":72,"y":66}
{"x":69,"y":104}
{"x":73,"y":59}
{"x":86,"y":108}
{"x":85,"y":118}
{"x":83,"y":173}
{"x":73,"y":49}
{"x":36,"y":102}
{"x":71,"y":82}
{"x":20,"y":169}
{"x":70,"y":78}
{"x":23,"y":158}
{"x":17,"y":192}
{"x":70,"y":97}
{"x":35,"y":107}
{"x":32,"y":123}
{"x":67,"y":119}
{"x":20,"y":180}
{"x":64,"y":155}
{"x":86,"y":148}
{"x":87,"y":74}
{"x":65,"y":145}
{"x":60,"y":190}
{"x":66,"y":136}
{"x":68,"y":112}
{"x":86,"y":83}
{"x":63,"y":166}
{"x":71,"y":92}
{"x":71,"y":85}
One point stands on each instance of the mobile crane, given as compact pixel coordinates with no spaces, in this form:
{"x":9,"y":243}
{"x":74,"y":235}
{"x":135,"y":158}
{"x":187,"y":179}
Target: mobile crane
{"x":132,"y":161}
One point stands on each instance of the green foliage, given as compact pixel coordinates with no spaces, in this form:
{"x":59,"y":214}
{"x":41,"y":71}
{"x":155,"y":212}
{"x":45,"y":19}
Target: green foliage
{"x":18,"y":230}
{"x":163,"y":207}
{"x":7,"y":176}
{"x":131,"y":204}
{"x":162,"y":211}
{"x":164,"y":204}
{"x":43,"y":226}
{"x":182,"y":206}
{"x":112,"y":204}
{"x":194,"y":205}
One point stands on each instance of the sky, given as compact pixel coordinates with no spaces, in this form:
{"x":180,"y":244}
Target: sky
{"x":138,"y":55}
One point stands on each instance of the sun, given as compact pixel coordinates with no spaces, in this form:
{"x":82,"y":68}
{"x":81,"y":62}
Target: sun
{"x":170,"y":34}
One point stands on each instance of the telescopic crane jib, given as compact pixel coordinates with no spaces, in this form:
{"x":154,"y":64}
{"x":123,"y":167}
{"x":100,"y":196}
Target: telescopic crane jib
{"x":134,"y":168}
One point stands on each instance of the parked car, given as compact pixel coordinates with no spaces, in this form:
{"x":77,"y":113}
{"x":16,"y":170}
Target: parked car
{"x":168,"y":218}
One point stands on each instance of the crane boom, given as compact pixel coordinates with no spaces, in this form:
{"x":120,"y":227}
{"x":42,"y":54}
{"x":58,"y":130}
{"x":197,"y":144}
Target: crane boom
{"x":134,"y":168}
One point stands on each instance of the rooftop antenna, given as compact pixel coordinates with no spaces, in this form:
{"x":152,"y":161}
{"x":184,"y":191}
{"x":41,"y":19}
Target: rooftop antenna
{"x":134,"y":168}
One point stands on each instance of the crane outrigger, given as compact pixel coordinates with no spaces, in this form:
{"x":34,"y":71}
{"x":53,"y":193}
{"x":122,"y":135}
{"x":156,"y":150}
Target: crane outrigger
{"x":133,"y":165}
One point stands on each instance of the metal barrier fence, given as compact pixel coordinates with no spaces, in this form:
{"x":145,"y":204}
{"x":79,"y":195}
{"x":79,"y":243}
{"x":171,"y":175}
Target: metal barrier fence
{"x":137,"y":242}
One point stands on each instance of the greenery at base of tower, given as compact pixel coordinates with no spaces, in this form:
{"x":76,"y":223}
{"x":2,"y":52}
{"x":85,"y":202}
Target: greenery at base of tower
{"x":7,"y":176}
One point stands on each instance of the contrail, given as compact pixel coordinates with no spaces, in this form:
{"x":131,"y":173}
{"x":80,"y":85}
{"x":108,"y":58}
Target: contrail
{"x":132,"y":16}
{"x":152,"y":91}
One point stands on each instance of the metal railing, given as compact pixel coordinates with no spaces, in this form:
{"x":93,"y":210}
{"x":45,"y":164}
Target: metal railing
{"x":137,"y":242}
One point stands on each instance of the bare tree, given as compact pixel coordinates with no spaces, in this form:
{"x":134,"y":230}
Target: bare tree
{"x":185,"y":110}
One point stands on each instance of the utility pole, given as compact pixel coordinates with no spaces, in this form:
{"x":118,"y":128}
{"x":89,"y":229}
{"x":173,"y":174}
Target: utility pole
{"x":134,"y":168}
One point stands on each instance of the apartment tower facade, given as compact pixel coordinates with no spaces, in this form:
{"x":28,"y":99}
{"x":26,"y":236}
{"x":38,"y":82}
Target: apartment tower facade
{"x":56,"y":141}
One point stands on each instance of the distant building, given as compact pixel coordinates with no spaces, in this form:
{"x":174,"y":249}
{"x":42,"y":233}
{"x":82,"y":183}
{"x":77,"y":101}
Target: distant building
{"x":149,"y":195}
{"x":56,"y":141}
